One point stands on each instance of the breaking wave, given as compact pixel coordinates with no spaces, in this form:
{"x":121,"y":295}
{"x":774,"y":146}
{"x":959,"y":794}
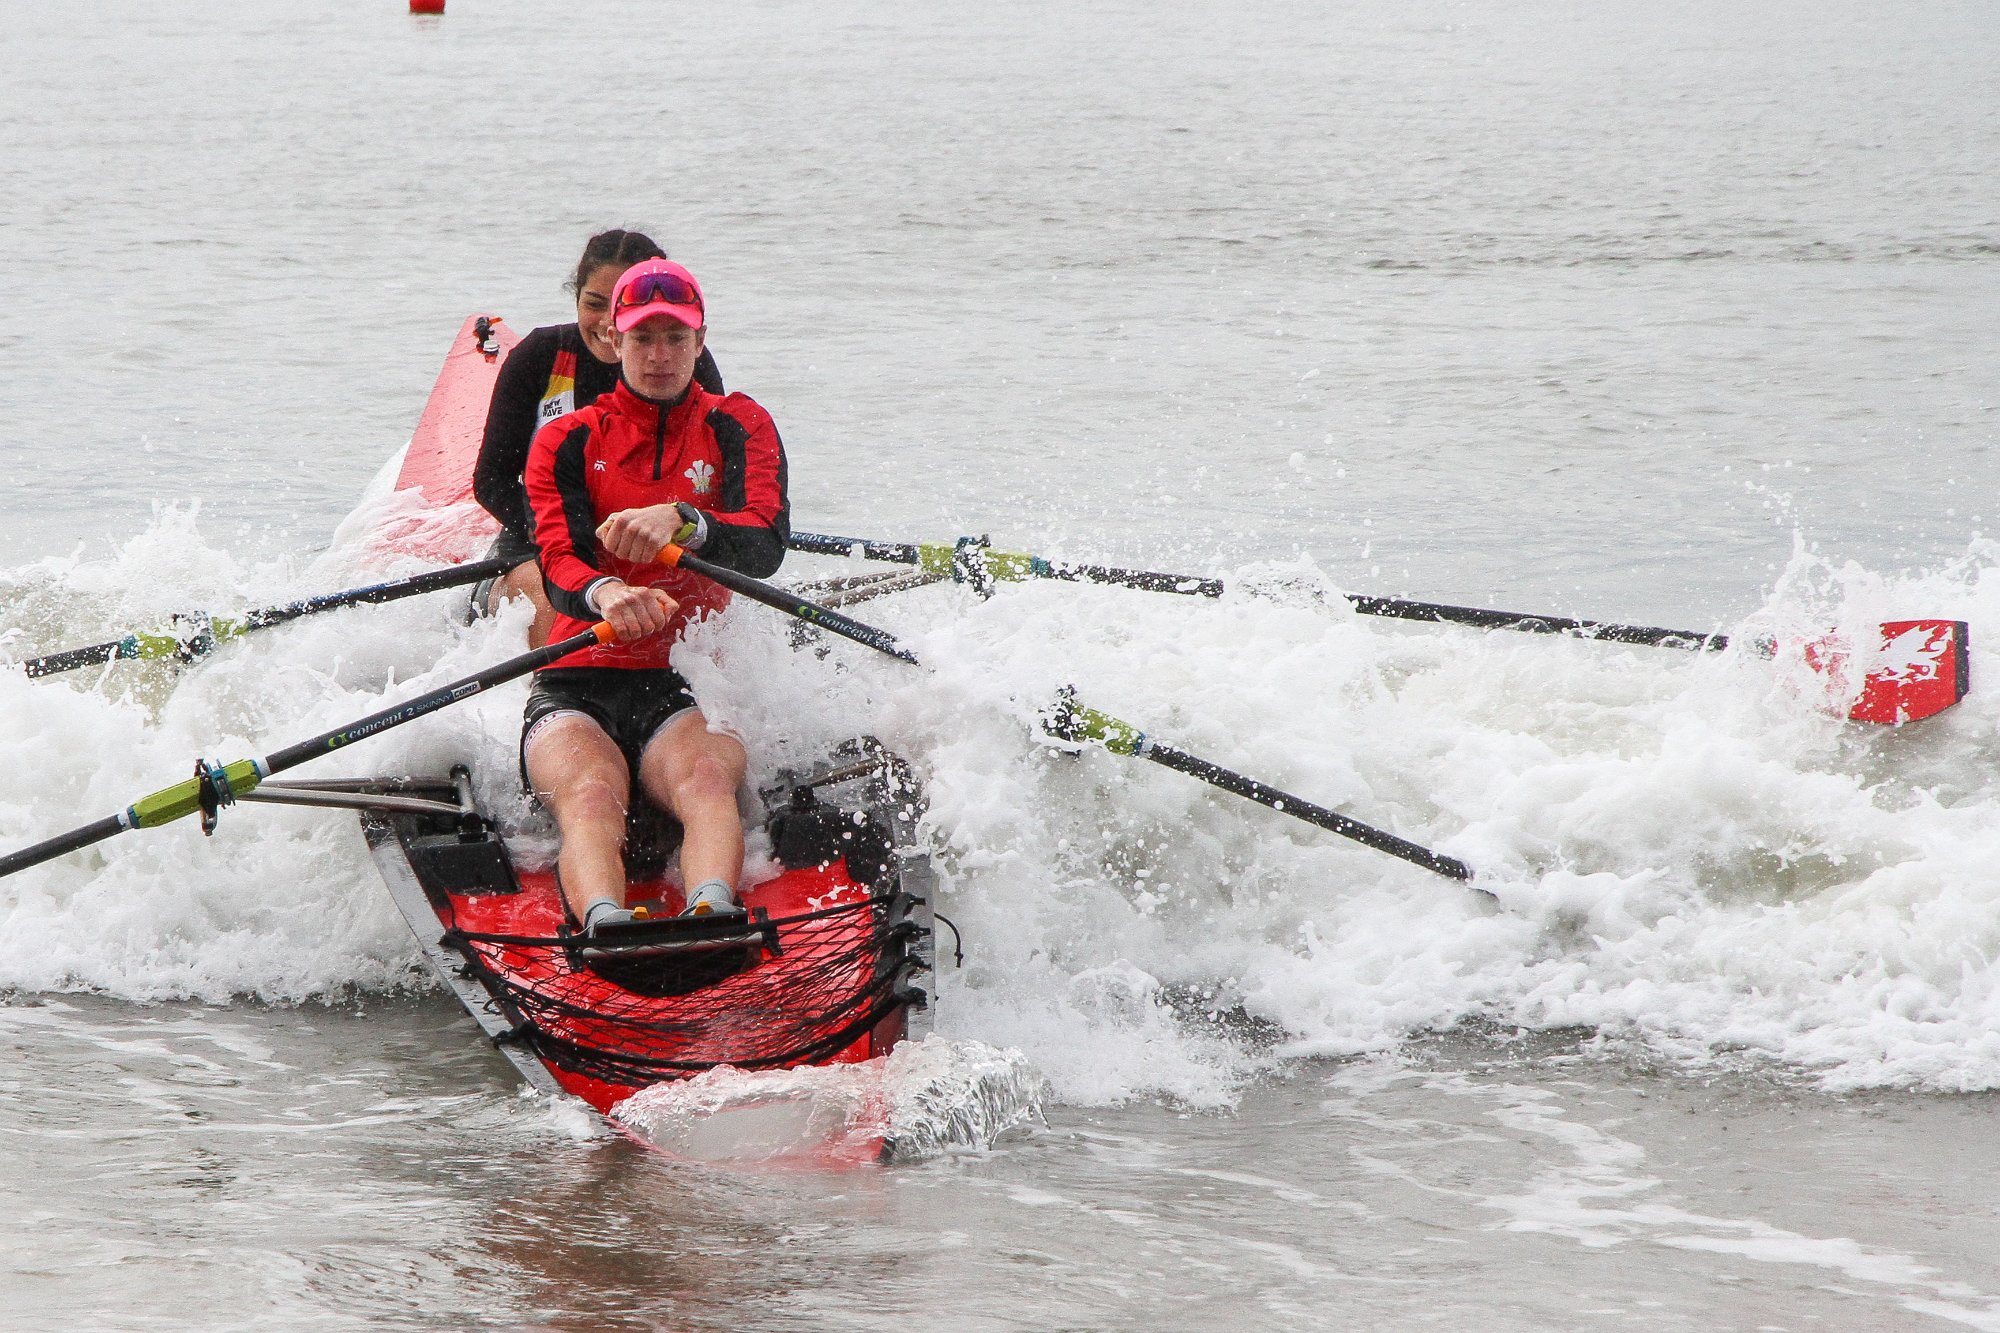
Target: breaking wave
{"x":1687,"y":851}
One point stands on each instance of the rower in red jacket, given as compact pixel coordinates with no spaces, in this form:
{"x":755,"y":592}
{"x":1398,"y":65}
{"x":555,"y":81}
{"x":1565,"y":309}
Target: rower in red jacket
{"x":658,"y":460}
{"x":554,"y":370}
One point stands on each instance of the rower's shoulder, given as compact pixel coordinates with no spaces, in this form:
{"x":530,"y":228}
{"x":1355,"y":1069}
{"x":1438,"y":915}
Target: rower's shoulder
{"x":744,"y":409}
{"x":544,"y":342}
{"x":580,"y":424}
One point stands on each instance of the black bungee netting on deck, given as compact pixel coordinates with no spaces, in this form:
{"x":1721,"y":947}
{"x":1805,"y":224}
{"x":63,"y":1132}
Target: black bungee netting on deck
{"x":637,"y":1020}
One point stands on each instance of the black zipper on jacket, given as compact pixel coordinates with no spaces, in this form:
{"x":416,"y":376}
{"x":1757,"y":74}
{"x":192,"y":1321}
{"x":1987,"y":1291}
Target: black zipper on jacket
{"x":660,"y":411}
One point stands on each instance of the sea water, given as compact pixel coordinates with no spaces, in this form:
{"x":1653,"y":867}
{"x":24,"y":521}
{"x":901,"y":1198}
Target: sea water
{"x":1669,"y":314}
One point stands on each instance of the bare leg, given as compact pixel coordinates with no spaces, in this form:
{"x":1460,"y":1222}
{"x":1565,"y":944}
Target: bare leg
{"x":525,"y":581}
{"x":579,"y":774}
{"x":693,"y":773}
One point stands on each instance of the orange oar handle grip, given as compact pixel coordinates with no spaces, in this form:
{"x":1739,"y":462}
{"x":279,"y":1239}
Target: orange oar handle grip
{"x":605,"y":634}
{"x":670,"y":555}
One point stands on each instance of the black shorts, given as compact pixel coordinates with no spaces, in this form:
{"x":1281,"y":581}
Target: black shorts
{"x":630,"y":705}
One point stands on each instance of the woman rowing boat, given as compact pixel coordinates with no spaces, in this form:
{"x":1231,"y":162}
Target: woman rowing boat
{"x":556,"y":369}
{"x":660,"y":459}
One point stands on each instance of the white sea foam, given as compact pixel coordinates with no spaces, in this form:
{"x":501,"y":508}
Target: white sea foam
{"x":1681,"y":849}
{"x":922,"y":1099}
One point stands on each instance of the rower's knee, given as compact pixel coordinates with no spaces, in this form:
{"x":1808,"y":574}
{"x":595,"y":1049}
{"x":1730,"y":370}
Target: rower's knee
{"x":704,"y":783}
{"x":523,"y":580}
{"x":592,"y":802}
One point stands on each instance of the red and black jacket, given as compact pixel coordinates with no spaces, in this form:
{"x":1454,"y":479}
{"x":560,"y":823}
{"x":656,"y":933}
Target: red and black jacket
{"x":720,"y":454}
{"x":548,"y":373}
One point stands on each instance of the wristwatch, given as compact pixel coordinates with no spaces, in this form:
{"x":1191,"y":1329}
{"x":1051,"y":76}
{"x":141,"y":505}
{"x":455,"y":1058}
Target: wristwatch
{"x":693,"y":530}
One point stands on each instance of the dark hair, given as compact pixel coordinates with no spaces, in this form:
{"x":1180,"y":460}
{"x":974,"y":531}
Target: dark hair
{"x":617,"y":246}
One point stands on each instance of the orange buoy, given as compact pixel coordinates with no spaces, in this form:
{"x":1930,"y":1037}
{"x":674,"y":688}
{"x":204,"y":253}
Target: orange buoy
{"x":427,"y":6}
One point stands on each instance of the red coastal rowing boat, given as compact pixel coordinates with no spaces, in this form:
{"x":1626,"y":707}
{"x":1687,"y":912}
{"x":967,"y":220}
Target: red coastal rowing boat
{"x":827,"y":968}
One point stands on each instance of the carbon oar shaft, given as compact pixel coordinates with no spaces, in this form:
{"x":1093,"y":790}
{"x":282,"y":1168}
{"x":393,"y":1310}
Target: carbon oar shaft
{"x":1075,"y":722}
{"x":972,"y":562}
{"x":204,"y":634}
{"x":219,"y":784}
{"x":816,"y":543}
{"x":1922,"y":669}
{"x":434,"y":580}
{"x":444,"y":696}
{"x":825,"y":617}
{"x":70,"y":659}
{"x":1299,"y":808}
{"x":1527,"y":622}
{"x":74,"y":840}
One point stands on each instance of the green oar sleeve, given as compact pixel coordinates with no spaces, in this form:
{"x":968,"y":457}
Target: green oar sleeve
{"x":1006,"y":566}
{"x":1072,"y":721}
{"x":184,"y":798}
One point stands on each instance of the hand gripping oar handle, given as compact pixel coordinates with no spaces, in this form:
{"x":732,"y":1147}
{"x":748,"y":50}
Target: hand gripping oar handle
{"x":1071,"y":721}
{"x":216,"y":785}
{"x":202,"y":633}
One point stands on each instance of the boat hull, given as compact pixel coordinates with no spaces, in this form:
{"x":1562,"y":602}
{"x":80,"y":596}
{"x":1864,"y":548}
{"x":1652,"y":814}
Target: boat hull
{"x":828,"y":967}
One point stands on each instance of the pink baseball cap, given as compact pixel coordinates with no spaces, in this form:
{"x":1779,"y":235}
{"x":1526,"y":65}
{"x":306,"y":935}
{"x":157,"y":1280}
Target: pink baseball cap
{"x":656,"y":287}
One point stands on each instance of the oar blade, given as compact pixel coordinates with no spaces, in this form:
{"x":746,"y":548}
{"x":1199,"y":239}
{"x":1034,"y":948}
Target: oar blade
{"x":1921,"y":669}
{"x":1918,"y":669}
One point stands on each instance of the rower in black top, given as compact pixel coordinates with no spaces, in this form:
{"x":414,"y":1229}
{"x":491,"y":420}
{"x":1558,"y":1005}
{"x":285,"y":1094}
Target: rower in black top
{"x":553,"y":371}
